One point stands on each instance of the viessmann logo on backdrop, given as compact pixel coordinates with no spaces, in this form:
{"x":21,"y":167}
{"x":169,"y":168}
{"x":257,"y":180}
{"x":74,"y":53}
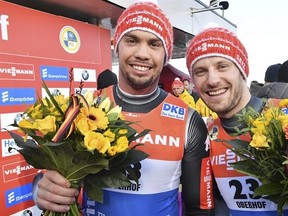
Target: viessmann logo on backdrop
{"x":17,"y":96}
{"x":53,"y":73}
{"x":17,"y":170}
{"x":18,"y":195}
{"x":13,"y":71}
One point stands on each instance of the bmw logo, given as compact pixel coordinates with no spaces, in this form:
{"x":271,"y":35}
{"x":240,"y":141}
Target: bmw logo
{"x":85,"y":75}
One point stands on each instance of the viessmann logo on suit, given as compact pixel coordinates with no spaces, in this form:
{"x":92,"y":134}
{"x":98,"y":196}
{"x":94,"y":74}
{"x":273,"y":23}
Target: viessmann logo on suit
{"x":18,"y":195}
{"x":17,"y":96}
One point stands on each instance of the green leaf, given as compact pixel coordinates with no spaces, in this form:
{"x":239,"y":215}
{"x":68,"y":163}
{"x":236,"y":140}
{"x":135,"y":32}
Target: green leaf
{"x":93,"y":184}
{"x":246,"y":167}
{"x":88,"y":165}
{"x":20,"y":141}
{"x":141,"y":134}
{"x":72,"y":164}
{"x":281,"y":203}
{"x":39,"y":139}
{"x":269,"y":189}
{"x":134,"y":156}
{"x":112,"y":116}
{"x":126,"y":158}
{"x":60,"y":157}
{"x":52,"y":99}
{"x":237,"y":143}
{"x":31,"y":152}
{"x":132,"y":172}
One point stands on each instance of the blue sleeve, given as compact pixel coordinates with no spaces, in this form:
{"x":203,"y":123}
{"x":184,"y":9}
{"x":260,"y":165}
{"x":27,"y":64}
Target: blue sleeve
{"x":35,"y":186}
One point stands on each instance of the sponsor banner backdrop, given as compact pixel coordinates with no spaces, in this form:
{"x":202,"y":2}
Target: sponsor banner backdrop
{"x":37,"y":47}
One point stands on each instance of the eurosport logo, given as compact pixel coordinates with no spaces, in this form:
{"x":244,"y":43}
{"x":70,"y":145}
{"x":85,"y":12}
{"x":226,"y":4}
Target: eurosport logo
{"x":13,"y":71}
{"x":6,"y":144}
{"x":53,"y":73}
{"x":173,"y":111}
{"x":84,"y":74}
{"x":17,"y":96}
{"x":18,"y":195}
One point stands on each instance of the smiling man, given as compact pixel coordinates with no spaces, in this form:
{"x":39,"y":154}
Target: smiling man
{"x":218,"y":63}
{"x":176,"y":145}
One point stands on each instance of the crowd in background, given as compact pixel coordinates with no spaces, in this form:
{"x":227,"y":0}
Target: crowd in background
{"x":275,"y":82}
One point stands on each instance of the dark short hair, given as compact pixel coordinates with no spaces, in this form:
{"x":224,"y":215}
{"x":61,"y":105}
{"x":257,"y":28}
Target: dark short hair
{"x":271,"y":74}
{"x":283,"y":72}
{"x":106,"y":78}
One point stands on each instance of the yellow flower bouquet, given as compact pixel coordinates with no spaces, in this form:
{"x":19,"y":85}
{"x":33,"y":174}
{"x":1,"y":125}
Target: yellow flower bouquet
{"x":83,"y":137}
{"x":265,"y":156}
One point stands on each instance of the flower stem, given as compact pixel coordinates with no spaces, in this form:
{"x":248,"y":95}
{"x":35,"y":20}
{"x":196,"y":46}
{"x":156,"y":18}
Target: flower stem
{"x":74,"y":211}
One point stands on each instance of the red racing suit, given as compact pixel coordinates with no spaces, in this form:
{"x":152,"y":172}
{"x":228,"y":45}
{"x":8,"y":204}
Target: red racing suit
{"x":236,"y":188}
{"x":177,"y":152}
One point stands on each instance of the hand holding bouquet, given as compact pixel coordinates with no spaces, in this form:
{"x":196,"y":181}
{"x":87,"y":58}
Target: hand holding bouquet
{"x":265,"y":156}
{"x":84,"y":138}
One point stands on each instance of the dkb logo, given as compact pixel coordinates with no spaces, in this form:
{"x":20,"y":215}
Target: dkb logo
{"x":173,"y":111}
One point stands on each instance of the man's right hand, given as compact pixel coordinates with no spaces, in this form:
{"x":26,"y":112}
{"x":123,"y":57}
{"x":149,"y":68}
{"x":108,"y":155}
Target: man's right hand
{"x":54,"y":192}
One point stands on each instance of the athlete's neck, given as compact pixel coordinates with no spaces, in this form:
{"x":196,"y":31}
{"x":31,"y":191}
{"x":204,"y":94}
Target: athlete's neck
{"x":229,"y":124}
{"x":137,"y":99}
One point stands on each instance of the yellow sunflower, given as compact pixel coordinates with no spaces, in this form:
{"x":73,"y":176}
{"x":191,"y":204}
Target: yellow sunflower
{"x":91,"y":119}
